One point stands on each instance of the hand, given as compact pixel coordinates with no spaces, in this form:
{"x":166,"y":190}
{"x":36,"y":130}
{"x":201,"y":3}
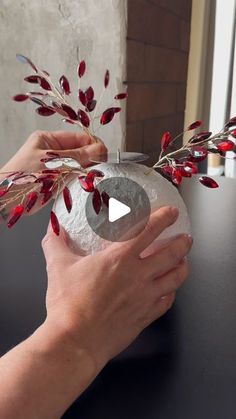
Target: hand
{"x":105,"y":300}
{"x":79,"y":146}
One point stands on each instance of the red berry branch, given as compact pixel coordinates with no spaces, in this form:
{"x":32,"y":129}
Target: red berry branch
{"x":182,"y":162}
{"x":56,"y":100}
{"x":21,"y":192}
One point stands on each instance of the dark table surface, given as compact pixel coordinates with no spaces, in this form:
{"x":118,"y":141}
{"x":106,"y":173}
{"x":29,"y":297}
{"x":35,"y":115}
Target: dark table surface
{"x":189,"y":370}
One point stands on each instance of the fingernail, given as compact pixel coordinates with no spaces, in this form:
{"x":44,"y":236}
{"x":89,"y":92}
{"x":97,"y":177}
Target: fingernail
{"x":189,"y":238}
{"x":175,"y":212}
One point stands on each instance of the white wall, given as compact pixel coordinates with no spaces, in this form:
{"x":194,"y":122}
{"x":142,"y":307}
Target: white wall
{"x":49,"y":32}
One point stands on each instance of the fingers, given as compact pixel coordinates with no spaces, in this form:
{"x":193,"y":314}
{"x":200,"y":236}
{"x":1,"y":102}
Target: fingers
{"x":159,"y":308}
{"x":158,"y":222}
{"x":77,"y":145}
{"x":163,"y":305}
{"x":171,"y":281}
{"x":165,"y":288}
{"x":167,"y":258}
{"x":55,"y":248}
{"x":84,"y":155}
{"x":66,"y":140}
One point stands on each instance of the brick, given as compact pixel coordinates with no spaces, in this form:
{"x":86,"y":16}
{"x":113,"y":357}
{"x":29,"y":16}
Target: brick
{"x":153,"y":25}
{"x":135,"y":60}
{"x":165,"y":65}
{"x":150,"y":100}
{"x":184,"y":36}
{"x":134,"y":137}
{"x":181,"y":8}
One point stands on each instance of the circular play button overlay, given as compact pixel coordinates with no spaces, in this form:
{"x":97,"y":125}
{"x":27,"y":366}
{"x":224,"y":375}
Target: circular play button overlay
{"x":118,"y":210}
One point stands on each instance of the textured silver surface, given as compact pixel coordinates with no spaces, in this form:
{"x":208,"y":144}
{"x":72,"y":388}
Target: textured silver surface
{"x":160,"y":193}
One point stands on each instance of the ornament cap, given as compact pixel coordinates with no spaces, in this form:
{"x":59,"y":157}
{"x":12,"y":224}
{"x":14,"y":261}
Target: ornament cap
{"x":120,"y":157}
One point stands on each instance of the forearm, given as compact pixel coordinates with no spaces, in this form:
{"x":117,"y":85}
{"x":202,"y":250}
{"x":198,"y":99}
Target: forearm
{"x":42,"y":376}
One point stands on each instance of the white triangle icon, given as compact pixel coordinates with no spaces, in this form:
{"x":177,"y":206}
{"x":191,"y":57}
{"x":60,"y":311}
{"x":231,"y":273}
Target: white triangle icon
{"x":117,"y":209}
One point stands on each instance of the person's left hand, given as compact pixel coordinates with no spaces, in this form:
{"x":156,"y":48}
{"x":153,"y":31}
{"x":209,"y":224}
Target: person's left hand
{"x":77,"y":145}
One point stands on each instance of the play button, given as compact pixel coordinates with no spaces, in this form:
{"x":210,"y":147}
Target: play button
{"x":121,"y":210}
{"x":117,"y":210}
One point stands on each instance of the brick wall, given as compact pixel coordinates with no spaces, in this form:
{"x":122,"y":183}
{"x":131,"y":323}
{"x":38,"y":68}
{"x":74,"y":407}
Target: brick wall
{"x":157,"y":61}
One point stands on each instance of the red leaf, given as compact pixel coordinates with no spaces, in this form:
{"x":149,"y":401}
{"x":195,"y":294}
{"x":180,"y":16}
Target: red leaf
{"x":67,"y":199}
{"x":51,"y":171}
{"x":65,"y":85}
{"x":233,"y":133}
{"x":184,"y":172}
{"x":55,"y":223}
{"x":224,"y":145}
{"x":190,"y":167}
{"x":167,"y":170}
{"x":44,"y":83}
{"x":121,"y":96}
{"x":176,"y":176}
{"x":32,"y":79}
{"x":14,"y":216}
{"x":89,"y":93}
{"x":2,"y":192}
{"x":20,"y":97}
{"x":91,"y":105}
{"x":30,"y":200}
{"x":106,"y":79}
{"x":194,"y":125}
{"x":5,"y":185}
{"x":81,"y":69}
{"x":198,"y":153}
{"x":44,"y":111}
{"x":86,"y":184}
{"x":52,"y":154}
{"x":37,"y":94}
{"x":38,"y":101}
{"x":208,"y":182}
{"x":82,"y":97}
{"x":57,"y":107}
{"x":46,"y":197}
{"x":94,"y":173}
{"x":47,"y":185}
{"x":204,"y":135}
{"x":97,"y":201}
{"x":45,"y":160}
{"x":105,"y":199}
{"x":70,"y":112}
{"x":231,"y":122}
{"x":108,"y":115}
{"x":83,"y":118}
{"x":165,"y":140}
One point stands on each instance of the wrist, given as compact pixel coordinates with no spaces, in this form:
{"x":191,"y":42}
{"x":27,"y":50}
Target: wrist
{"x":54,"y":341}
{"x":58,"y":342}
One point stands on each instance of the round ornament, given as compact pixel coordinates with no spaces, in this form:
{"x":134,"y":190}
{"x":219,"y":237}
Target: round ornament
{"x":159,"y":191}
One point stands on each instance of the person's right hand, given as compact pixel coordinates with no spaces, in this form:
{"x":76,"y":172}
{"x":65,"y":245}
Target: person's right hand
{"x":104,"y":301}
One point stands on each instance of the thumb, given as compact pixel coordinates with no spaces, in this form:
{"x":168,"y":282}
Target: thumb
{"x":84,"y":155}
{"x":55,"y":248}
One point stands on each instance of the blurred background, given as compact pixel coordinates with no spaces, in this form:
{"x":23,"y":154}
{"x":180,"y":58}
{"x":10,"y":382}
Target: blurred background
{"x":176,"y":57}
